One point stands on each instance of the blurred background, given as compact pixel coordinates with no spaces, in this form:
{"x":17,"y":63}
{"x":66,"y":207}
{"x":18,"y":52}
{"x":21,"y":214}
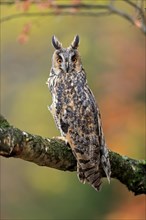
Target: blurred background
{"x":113,"y":55}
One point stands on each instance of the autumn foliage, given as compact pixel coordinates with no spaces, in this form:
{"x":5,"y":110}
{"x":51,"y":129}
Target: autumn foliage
{"x":113,"y":54}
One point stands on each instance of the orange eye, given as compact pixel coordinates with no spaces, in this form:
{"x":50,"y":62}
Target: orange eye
{"x":59,"y":60}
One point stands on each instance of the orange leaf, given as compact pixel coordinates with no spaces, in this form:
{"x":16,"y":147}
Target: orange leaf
{"x":27,"y":28}
{"x":24,"y":35}
{"x":76,"y":2}
{"x":22,"y":38}
{"x":23,"y":6}
{"x":26,"y":5}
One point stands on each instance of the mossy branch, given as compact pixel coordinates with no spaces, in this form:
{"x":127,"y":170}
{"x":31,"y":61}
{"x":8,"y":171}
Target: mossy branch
{"x":55,"y":153}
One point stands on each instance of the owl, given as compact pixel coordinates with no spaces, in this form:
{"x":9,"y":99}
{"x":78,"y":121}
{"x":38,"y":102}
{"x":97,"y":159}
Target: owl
{"x":76,"y":113}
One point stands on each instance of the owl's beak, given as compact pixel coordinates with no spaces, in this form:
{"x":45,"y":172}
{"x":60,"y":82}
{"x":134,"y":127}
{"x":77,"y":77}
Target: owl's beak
{"x":67,"y":66}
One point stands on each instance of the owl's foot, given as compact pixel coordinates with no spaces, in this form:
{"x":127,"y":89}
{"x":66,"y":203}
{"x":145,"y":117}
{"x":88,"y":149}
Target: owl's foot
{"x":63,"y":139}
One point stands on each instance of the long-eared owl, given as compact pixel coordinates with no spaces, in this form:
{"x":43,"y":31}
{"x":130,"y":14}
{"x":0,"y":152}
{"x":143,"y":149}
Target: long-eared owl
{"x":76,"y":113}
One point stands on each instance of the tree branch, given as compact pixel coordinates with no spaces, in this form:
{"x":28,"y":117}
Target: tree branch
{"x":83,"y":9}
{"x":51,"y":13}
{"x":56,"y":154}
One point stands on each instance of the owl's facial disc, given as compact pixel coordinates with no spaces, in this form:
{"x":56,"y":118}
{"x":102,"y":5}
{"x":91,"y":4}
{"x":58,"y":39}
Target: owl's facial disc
{"x":66,"y":60}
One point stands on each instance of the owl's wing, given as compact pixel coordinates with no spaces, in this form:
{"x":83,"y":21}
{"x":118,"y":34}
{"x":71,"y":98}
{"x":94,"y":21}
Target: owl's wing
{"x":104,"y":153}
{"x":81,"y":125}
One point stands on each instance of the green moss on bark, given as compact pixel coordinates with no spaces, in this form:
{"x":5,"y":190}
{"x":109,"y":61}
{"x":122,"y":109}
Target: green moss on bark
{"x":55,"y":153}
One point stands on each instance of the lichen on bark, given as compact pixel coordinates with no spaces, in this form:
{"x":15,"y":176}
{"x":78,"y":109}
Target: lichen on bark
{"x":55,"y":153}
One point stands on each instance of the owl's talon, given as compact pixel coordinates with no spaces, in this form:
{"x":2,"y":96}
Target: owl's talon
{"x":63,"y":139}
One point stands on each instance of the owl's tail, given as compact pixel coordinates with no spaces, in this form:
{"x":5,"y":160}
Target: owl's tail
{"x":90,"y":174}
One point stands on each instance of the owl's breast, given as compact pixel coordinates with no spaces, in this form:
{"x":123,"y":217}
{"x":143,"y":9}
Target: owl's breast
{"x":69,"y":89}
{"x":69,"y":95}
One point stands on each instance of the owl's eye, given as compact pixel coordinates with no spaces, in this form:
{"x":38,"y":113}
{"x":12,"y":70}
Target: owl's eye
{"x":74,"y":59}
{"x":59,"y":59}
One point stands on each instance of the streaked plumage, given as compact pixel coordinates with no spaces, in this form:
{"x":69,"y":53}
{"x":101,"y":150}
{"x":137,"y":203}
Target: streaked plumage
{"x":76,"y":113}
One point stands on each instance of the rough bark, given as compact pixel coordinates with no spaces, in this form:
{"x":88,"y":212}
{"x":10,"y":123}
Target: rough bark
{"x":55,"y":153}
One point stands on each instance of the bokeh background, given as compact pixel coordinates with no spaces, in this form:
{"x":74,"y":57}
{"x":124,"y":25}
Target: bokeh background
{"x":113,"y":55}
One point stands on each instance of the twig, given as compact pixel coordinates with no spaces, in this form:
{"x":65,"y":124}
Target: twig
{"x":128,"y":17}
{"x":134,"y":6}
{"x":108,"y":9}
{"x":37,"y":14}
{"x":139,"y":9}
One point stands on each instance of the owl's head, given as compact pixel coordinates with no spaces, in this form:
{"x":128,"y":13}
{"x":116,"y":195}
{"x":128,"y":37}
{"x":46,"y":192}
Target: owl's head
{"x":66,"y":59}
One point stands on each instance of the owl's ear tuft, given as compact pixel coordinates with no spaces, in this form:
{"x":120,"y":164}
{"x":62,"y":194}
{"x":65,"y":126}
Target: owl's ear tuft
{"x":56,"y":43}
{"x":75,"y":42}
